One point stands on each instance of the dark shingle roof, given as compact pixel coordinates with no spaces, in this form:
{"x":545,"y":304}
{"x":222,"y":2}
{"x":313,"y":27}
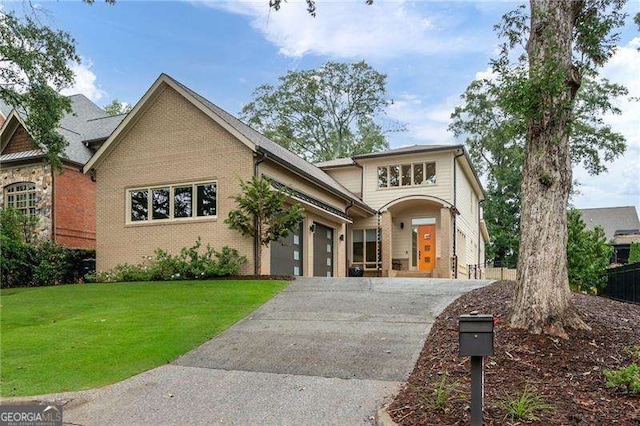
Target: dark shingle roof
{"x":5,"y":109}
{"x":338,"y":162}
{"x":86,"y":122}
{"x":275,"y":150}
{"x":406,"y":150}
{"x":612,"y":219}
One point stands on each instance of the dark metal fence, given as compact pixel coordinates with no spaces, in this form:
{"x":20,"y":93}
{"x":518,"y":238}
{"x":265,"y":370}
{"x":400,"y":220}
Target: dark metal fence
{"x":623,"y":283}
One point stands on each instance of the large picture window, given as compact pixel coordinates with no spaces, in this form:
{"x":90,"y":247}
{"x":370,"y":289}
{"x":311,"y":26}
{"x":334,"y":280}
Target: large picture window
{"x":366,"y":248}
{"x":179,"y":202}
{"x":403,"y":175}
{"x":22,"y":197}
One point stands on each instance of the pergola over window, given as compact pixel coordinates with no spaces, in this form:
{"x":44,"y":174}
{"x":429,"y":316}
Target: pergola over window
{"x":21,"y":196}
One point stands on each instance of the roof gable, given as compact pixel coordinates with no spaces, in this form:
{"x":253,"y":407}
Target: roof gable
{"x":251,"y":138}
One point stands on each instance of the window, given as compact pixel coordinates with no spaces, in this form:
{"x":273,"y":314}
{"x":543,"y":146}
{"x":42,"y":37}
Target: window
{"x":407,"y":175}
{"x":21,"y":196}
{"x":382,"y":177}
{"x":366,"y":248}
{"x":178,"y":202}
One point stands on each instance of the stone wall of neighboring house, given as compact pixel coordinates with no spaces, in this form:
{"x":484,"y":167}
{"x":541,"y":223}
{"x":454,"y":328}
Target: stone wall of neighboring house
{"x":40,"y":174}
{"x":75,"y":208}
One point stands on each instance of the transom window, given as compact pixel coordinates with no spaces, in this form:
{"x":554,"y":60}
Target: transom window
{"x":179,"y":202}
{"x":400,"y":175}
{"x":22,"y":197}
{"x":366,"y":248}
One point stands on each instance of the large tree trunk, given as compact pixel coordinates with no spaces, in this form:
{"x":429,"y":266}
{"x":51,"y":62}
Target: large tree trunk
{"x":543,"y":299}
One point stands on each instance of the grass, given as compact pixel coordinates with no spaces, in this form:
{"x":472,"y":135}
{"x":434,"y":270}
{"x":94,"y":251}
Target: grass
{"x":525,"y":406}
{"x":74,"y":337}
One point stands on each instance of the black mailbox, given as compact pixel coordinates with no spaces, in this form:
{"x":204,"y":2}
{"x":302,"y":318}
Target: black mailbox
{"x":476,"y":335}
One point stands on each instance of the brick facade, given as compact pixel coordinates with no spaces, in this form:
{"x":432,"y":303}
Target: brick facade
{"x":74,"y":209}
{"x":171,"y":142}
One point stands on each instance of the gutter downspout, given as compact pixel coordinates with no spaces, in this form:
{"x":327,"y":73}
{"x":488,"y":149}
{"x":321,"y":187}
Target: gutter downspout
{"x":256,"y":238}
{"x":346,"y":241}
{"x":455,"y":205}
{"x":361,"y":179}
{"x":480,"y":239}
{"x":53,"y":205}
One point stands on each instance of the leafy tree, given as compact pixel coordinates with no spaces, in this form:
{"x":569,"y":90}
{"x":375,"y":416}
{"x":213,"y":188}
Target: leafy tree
{"x":566,"y":46}
{"x":323,"y":113}
{"x":634,"y":253}
{"x":263,"y":214}
{"x":496,"y":139}
{"x":116,"y":107}
{"x":588,"y":255}
{"x":35,"y":67}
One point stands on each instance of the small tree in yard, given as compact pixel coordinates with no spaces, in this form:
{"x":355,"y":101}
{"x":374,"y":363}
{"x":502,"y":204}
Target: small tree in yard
{"x":263,"y":214}
{"x":588,"y":255}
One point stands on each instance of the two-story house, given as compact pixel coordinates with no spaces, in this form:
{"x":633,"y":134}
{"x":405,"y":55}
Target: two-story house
{"x":167,"y":173}
{"x":61,"y":201}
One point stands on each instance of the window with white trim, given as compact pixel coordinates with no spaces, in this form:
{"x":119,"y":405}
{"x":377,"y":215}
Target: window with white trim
{"x":403,"y":175}
{"x":172,"y":202}
{"x":22,"y":197}
{"x":366,"y":250}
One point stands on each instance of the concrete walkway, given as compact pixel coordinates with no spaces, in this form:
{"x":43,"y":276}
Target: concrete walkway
{"x":324,"y":351}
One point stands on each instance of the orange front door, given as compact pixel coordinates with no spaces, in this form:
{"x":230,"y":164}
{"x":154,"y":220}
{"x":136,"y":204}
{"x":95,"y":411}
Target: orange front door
{"x":426,"y":248}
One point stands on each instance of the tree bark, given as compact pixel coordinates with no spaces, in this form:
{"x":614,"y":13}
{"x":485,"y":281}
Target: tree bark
{"x":543,"y":298}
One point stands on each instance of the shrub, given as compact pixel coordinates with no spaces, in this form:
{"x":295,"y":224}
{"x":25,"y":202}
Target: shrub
{"x":626,"y":378}
{"x":525,"y":406}
{"x":42,"y":264}
{"x":441,"y":394}
{"x":588,"y":255}
{"x":634,"y":253}
{"x":189,"y":264}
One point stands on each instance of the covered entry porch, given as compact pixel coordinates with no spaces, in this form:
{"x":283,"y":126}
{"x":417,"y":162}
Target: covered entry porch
{"x":416,"y":237}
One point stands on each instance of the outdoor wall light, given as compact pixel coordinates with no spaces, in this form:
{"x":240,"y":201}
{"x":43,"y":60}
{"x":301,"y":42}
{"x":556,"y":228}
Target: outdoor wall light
{"x":341,"y":237}
{"x":401,"y":225}
{"x":312,"y":228}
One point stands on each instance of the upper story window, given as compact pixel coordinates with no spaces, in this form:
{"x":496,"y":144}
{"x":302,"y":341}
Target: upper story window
{"x":179,"y":202}
{"x":22,"y":197}
{"x":407,"y":175}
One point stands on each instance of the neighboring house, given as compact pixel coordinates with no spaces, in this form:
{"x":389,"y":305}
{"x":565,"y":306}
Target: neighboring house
{"x":166,"y":176}
{"x":62,"y":200}
{"x":621,"y":228}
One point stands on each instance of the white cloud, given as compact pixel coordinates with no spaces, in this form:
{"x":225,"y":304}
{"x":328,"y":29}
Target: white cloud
{"x":84,"y":82}
{"x":621,"y":184}
{"x":425,"y":123}
{"x":348,"y":29}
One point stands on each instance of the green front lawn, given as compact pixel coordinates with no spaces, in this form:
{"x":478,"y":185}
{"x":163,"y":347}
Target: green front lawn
{"x":75,"y":337}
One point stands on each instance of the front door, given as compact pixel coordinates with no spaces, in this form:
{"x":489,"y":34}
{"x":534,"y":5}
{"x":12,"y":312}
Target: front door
{"x":426,"y":248}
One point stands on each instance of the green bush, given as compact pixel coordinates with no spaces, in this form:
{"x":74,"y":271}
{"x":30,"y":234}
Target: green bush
{"x":626,"y":378}
{"x":634,"y":253}
{"x":188,"y":265}
{"x":588,"y":255}
{"x":42,"y":264}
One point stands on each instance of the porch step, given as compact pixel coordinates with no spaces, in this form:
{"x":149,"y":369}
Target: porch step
{"x":414,"y":274}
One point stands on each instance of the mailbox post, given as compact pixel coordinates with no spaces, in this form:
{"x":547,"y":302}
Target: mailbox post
{"x":476,"y":341}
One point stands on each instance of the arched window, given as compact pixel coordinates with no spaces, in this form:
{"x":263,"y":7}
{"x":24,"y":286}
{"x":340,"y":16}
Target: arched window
{"x":21,"y":196}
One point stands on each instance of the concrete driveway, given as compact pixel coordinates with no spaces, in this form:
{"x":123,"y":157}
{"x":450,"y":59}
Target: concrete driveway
{"x":324,"y":351}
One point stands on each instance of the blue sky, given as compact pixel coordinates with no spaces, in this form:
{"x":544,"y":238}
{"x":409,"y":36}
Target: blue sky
{"x":429,"y":50}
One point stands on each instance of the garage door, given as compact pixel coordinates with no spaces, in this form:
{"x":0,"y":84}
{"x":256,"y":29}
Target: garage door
{"x":286,"y":255}
{"x":322,"y":251}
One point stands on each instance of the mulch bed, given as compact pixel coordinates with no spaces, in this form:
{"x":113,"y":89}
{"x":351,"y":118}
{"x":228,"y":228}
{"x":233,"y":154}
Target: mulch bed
{"x":567,"y":372}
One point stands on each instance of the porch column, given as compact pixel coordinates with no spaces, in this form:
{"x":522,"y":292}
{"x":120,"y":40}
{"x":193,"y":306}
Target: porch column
{"x":386,"y":228}
{"x":443,"y":267}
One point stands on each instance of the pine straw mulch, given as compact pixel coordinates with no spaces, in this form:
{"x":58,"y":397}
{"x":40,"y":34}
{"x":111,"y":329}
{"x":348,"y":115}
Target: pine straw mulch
{"x":567,"y":372}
